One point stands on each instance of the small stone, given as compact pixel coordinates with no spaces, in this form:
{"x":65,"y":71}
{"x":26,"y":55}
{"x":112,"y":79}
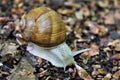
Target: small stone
{"x":1,"y":64}
{"x":96,"y":66}
{"x":5,"y":68}
{"x":114,"y":35}
{"x":107,"y":77}
{"x":70,"y":70}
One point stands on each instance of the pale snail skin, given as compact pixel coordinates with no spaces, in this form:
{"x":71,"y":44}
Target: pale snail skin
{"x":33,"y":32}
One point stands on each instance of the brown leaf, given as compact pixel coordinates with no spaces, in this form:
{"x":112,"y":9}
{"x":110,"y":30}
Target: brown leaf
{"x":42,"y":73}
{"x":68,"y":29}
{"x":23,"y":71}
{"x":85,"y":11}
{"x":94,"y":73}
{"x":82,"y":73}
{"x":77,"y":30}
{"x":79,"y":15}
{"x":102,"y":30}
{"x":9,"y":48}
{"x":107,"y":77}
{"x":116,"y":3}
{"x":94,"y":51}
{"x":101,"y":71}
{"x":94,"y":27}
{"x":115,"y":44}
{"x":39,"y":60}
{"x":117,"y":15}
{"x":4,"y":19}
{"x":115,"y":56}
{"x":116,"y":75}
{"x":66,"y":11}
{"x":102,"y":3}
{"x":94,"y":30}
{"x":109,"y":19}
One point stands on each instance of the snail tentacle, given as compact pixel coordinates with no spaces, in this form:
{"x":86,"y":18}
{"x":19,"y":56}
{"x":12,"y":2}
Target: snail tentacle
{"x":80,"y":51}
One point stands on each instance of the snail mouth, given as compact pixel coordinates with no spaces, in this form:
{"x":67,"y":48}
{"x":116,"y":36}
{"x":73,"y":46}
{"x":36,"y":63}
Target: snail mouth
{"x":21,"y":41}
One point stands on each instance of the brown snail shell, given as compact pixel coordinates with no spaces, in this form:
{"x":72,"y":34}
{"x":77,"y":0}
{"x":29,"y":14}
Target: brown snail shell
{"x":43,"y":27}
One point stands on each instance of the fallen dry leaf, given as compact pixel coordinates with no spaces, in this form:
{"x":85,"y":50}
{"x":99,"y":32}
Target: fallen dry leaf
{"x":101,"y":71}
{"x":94,"y":27}
{"x":102,"y":3}
{"x":94,"y":51}
{"x":85,"y":11}
{"x":82,"y":73}
{"x":68,"y":29}
{"x":79,"y":15}
{"x":115,"y":56}
{"x":42,"y":73}
{"x":107,"y":77}
{"x":117,"y":15}
{"x":115,"y":44}
{"x":9,"y":48}
{"x":116,"y":3}
{"x":109,"y":19}
{"x":24,"y":71}
{"x":102,"y":30}
{"x":116,"y":75}
{"x":66,"y":11}
{"x":77,"y":30}
{"x":94,"y":73}
{"x":94,"y":30}
{"x":4,"y":19}
{"x":39,"y":60}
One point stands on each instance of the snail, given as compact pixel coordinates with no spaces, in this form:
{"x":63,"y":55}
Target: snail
{"x":43,"y":30}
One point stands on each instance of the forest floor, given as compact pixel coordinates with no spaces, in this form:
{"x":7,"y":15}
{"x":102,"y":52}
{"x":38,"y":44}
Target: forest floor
{"x":90,"y":24}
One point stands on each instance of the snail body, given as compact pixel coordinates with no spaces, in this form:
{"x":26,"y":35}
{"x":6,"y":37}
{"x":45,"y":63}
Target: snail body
{"x":44,"y":32}
{"x":60,"y":56}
